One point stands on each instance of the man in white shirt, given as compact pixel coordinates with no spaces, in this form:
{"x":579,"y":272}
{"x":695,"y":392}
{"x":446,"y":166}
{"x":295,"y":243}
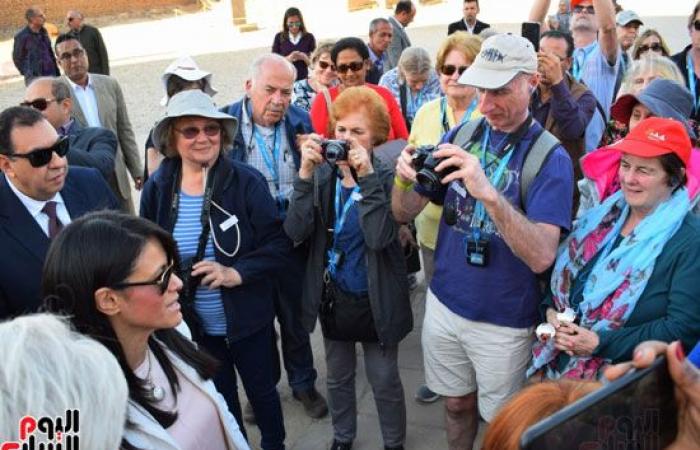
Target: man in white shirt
{"x":38,"y":197}
{"x":98,"y":102}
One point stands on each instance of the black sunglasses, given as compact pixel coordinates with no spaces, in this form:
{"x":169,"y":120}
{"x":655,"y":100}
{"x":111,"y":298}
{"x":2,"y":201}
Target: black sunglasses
{"x":162,"y":280}
{"x":655,"y":47}
{"x":41,"y":156}
{"x":355,"y":66}
{"x":210,"y":130}
{"x":325,"y":65}
{"x":696,"y":25}
{"x":589,"y":9}
{"x":39,"y":104}
{"x":449,"y":69}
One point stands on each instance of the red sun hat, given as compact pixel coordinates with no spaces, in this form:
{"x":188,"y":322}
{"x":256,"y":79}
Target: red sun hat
{"x":576,"y":2}
{"x":656,"y":136}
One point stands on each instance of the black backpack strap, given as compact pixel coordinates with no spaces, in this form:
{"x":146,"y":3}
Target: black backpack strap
{"x":466,"y":132}
{"x":403,"y":98}
{"x":540,"y":150}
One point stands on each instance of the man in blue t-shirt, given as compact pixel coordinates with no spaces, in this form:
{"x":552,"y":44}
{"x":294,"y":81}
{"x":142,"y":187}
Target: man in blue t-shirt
{"x":482,"y":302}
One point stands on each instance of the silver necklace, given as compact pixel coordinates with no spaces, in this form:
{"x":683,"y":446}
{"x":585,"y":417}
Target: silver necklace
{"x":153,"y":392}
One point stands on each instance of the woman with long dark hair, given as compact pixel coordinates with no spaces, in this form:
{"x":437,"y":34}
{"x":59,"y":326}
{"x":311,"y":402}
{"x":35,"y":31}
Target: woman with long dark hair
{"x":112,"y":274}
{"x":294,"y":42}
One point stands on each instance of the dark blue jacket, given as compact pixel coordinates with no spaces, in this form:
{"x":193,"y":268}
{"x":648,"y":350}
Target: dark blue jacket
{"x":93,"y":147}
{"x":264,"y":249}
{"x":33,"y":55}
{"x":296,"y":121}
{"x":24,"y":244}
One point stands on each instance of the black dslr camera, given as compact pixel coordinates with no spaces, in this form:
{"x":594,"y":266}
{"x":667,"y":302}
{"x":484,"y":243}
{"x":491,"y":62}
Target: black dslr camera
{"x":189,"y":283}
{"x":334,"y":150}
{"x":424,"y":162}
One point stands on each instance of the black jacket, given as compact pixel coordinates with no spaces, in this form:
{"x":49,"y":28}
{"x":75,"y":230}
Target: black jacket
{"x":386,"y":266}
{"x":682,"y":62}
{"x":461,"y":26}
{"x":94,"y":46}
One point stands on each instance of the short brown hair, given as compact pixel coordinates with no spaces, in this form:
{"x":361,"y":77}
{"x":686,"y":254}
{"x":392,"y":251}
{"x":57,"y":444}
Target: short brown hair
{"x":531,"y":405}
{"x":461,"y":41}
{"x":363,"y":99}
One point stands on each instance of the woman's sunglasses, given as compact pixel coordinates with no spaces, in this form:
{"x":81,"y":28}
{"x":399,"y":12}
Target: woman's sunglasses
{"x":654,"y":47}
{"x":325,"y":65}
{"x":696,"y":25}
{"x":449,"y":69}
{"x":355,"y":66}
{"x":210,"y":130}
{"x":162,"y":281}
{"x":41,"y":156}
{"x":39,"y":104}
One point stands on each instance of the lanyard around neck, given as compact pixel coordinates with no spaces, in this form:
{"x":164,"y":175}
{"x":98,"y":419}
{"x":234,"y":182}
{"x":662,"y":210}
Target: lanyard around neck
{"x":465,"y":118}
{"x":270,"y":156}
{"x":692,"y":83}
{"x":341,"y":215}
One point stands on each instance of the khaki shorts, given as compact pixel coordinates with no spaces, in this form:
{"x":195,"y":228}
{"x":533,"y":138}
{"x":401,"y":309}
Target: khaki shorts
{"x":462,"y":356}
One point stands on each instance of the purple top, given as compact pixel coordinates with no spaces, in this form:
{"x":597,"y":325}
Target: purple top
{"x":307,"y":44}
{"x":571,"y":115}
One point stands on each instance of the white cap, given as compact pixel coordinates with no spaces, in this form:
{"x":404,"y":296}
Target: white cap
{"x":502,"y":57}
{"x":186,"y":68}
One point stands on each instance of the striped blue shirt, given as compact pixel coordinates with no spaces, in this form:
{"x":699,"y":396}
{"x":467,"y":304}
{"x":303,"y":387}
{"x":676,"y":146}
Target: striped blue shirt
{"x":207,"y":303}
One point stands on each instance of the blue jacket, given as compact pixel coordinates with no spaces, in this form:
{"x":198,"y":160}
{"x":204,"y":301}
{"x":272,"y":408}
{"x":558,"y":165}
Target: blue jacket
{"x":264,"y":249}
{"x":33,"y":55}
{"x":24,"y":243}
{"x":296,"y":121}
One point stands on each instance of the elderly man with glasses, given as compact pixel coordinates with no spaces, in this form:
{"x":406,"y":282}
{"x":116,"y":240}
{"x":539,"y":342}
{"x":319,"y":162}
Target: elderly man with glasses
{"x":38,"y":196}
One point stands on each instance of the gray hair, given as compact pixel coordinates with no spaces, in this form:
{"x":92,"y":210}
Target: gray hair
{"x":48,"y":369}
{"x":414,"y":61}
{"x":374,"y":24}
{"x":256,"y":67}
{"x":663,"y":67}
{"x":59,"y":87}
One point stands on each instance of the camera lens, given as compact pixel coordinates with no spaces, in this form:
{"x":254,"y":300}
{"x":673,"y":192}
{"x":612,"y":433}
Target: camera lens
{"x":428,"y":180}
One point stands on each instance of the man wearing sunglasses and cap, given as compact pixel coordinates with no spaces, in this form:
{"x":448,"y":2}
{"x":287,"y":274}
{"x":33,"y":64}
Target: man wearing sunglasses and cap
{"x":495,"y":234}
{"x":597,"y":55}
{"x":89,"y":147}
{"x":38,"y":196}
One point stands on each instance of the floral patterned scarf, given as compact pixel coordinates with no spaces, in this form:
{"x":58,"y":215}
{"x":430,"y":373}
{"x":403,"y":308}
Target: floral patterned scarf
{"x":618,"y":277}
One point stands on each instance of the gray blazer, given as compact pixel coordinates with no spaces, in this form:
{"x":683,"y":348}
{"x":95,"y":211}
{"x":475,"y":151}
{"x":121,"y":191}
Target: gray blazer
{"x":113,"y":116}
{"x":399,"y":42}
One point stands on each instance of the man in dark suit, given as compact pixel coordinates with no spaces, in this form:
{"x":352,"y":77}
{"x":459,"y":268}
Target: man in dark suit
{"x":404,"y":13}
{"x":89,"y":147}
{"x":469,"y":23}
{"x":38,"y":196}
{"x":91,"y":39}
{"x":98,"y":101}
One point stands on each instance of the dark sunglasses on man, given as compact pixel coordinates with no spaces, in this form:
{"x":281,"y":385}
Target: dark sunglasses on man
{"x":580,"y":8}
{"x":449,"y":69}
{"x":40,"y":104}
{"x":162,"y":281}
{"x":42,"y":156}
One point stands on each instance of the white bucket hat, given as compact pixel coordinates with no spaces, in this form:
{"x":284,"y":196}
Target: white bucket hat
{"x":186,"y":68}
{"x":502,"y":57}
{"x":193,"y":103}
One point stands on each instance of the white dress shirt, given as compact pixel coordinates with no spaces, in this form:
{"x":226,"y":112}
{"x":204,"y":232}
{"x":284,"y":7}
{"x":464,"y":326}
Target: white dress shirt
{"x":34,"y":207}
{"x":87,"y":99}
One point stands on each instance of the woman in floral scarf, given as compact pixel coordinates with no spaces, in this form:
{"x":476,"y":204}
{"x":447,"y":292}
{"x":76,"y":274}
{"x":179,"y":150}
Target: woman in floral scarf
{"x":629,"y":267}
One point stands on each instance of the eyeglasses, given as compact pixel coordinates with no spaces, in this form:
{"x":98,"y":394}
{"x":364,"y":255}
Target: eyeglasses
{"x":76,"y":53}
{"x":162,"y":280}
{"x":325,"y":65}
{"x":210,"y":130}
{"x":355,"y":66}
{"x":41,"y":156}
{"x":449,"y":69}
{"x":39,"y":104}
{"x":654,"y":47}
{"x":293,"y":24}
{"x":70,"y":19}
{"x":696,"y":25}
{"x":579,"y":9}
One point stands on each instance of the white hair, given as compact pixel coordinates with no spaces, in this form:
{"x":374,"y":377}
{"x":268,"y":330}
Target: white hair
{"x":414,"y":61}
{"x":256,"y":67}
{"x":48,"y":369}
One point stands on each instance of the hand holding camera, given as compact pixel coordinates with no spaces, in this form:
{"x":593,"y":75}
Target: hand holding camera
{"x":358,"y":158}
{"x":311,"y":155}
{"x":549,"y":66}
